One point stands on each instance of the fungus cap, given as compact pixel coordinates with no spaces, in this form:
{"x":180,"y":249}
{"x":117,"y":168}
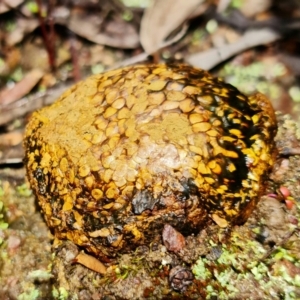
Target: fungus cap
{"x":122,"y":153}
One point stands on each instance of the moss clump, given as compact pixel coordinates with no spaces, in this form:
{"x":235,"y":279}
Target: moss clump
{"x":60,"y":294}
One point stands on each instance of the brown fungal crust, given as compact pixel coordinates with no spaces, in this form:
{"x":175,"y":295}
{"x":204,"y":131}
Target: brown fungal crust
{"x":123,"y":153}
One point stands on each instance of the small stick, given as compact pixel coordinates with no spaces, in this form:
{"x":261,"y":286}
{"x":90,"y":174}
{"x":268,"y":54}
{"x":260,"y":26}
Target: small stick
{"x":47,"y":38}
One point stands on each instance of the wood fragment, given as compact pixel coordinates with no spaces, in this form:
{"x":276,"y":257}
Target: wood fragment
{"x":91,"y":262}
{"x":212,"y":57}
{"x":21,"y":88}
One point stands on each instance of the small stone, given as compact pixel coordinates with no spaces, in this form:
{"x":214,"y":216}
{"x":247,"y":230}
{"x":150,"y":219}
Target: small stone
{"x":13,"y":242}
{"x":180,"y":278}
{"x":284,"y":191}
{"x":172,"y":239}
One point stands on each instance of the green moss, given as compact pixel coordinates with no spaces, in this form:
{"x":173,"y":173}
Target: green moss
{"x":32,"y":294}
{"x":282,"y":253}
{"x":3,"y":224}
{"x":200,"y":271}
{"x":127,"y":16}
{"x":61,"y":294}
{"x":294,"y":93}
{"x":259,"y":271}
{"x":254,"y":77}
{"x":198,"y":35}
{"x":122,"y":273}
{"x":32,"y":7}
{"x":97,"y":68}
{"x":17,"y":75}
{"x":10,"y":25}
{"x":24,"y":190}
{"x":40,"y":275}
{"x":236,"y":3}
{"x":136,"y":3}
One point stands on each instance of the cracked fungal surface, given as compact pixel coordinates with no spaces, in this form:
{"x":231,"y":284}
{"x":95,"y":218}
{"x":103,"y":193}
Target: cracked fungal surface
{"x":122,"y":153}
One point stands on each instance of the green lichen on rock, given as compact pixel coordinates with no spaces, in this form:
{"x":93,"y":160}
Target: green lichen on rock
{"x":244,"y":265}
{"x":24,"y":190}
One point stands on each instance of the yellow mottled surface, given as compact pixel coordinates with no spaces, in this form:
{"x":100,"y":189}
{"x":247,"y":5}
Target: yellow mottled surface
{"x":124,"y":152}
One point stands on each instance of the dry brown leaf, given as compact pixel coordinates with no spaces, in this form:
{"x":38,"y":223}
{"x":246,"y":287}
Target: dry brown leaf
{"x":161,"y":18}
{"x":11,"y":147}
{"x":223,"y":5}
{"x":11,"y":154}
{"x":251,"y":8}
{"x":11,"y":61}
{"x":21,"y":88}
{"x":91,"y":262}
{"x":6,"y":5}
{"x":116,"y":33}
{"x":11,"y":138}
{"x":23,"y":26}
